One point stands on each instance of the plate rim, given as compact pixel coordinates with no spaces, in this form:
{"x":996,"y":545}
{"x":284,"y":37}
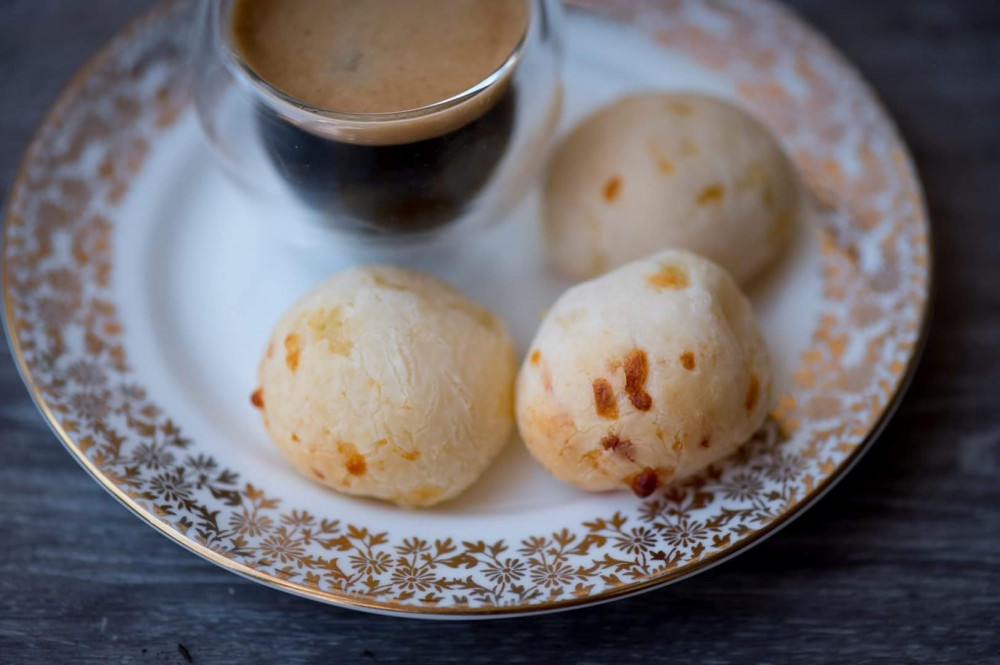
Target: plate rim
{"x":345,"y":600}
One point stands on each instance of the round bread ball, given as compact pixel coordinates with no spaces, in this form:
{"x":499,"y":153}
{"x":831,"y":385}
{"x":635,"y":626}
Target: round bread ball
{"x":388,"y":383}
{"x":644,"y":375}
{"x":660,"y":170}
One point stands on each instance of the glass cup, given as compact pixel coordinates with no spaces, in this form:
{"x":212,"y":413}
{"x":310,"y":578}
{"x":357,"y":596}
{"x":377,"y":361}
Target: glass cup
{"x":385,"y":178}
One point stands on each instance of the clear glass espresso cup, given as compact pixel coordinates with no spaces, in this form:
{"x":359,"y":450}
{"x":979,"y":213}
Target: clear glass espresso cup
{"x":383,"y":178}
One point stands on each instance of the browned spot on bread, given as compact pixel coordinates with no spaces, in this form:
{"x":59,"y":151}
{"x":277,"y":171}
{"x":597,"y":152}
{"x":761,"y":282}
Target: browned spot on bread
{"x":620,"y":446}
{"x":257,"y":398}
{"x":330,"y":325}
{"x":536,"y":357}
{"x":410,"y":455}
{"x":669,"y":277}
{"x":270,"y":349}
{"x":711,"y":194}
{"x":705,"y":442}
{"x":295,"y":437}
{"x":753,"y":393}
{"x":318,"y":473}
{"x":643,"y":483}
{"x":355,"y":462}
{"x":659,"y":433}
{"x":604,"y":400}
{"x":636,"y":373}
{"x":612,"y":189}
{"x":687,"y":360}
{"x":610,"y":442}
{"x":677,"y":444}
{"x":593,"y":456}
{"x":292,"y":350}
{"x":356,"y":465}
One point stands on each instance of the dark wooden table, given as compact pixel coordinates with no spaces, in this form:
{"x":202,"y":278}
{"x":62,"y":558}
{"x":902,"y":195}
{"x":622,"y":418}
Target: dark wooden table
{"x":899,"y":564}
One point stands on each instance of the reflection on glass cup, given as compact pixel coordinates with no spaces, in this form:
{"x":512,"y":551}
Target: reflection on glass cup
{"x":460,"y":162}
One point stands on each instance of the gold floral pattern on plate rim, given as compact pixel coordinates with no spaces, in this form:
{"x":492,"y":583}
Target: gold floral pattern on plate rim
{"x":391,"y":579}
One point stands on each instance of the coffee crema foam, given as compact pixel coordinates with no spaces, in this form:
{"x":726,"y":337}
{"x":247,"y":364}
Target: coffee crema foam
{"x":376,"y":56}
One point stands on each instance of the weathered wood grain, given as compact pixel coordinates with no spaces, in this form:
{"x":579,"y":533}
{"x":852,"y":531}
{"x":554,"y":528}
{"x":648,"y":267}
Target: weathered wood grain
{"x":900,"y":563}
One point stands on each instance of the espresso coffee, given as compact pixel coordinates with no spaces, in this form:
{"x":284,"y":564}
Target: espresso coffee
{"x":376,"y":56}
{"x":385,"y":57}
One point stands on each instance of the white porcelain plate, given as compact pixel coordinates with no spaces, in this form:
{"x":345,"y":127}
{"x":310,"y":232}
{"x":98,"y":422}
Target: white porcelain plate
{"x":137,"y":303}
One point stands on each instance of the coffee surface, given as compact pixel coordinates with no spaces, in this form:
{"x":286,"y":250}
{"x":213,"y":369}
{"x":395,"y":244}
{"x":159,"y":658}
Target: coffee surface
{"x":376,"y":56}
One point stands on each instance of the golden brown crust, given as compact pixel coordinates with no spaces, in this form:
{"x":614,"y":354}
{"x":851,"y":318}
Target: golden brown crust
{"x":619,"y":446}
{"x":292,"y":350}
{"x":668,"y":277}
{"x":643,"y":483}
{"x":604,"y":400}
{"x":612,"y":189}
{"x":636,"y":372}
